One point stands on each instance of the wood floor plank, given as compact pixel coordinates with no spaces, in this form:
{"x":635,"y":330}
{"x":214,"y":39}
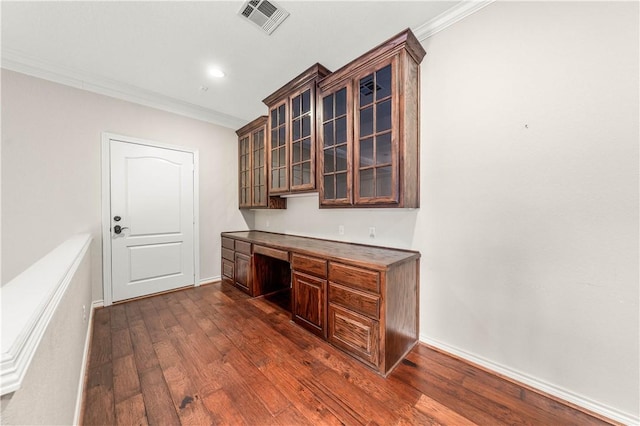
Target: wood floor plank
{"x":184,"y":393}
{"x":120,"y":343}
{"x":151,"y":319}
{"x":223,"y":410}
{"x":157,"y":399}
{"x":301,"y":397}
{"x":118,"y":317}
{"x":101,"y":338}
{"x":213,"y":355}
{"x":132,"y":411}
{"x":196,"y":364}
{"x":142,"y":347}
{"x":441,"y":391}
{"x":441,"y":413}
{"x":99,"y":404}
{"x":268,"y":393}
{"x":126,"y":382}
{"x":253,"y":411}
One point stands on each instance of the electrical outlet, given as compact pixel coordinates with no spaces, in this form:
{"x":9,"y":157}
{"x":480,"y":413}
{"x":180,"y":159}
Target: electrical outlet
{"x":84,"y":313}
{"x":267,"y":224}
{"x":372,"y":232}
{"x":340,"y":229}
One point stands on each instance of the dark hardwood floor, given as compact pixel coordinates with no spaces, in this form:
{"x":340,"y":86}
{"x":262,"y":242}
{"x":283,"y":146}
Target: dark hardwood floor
{"x":212,"y":355}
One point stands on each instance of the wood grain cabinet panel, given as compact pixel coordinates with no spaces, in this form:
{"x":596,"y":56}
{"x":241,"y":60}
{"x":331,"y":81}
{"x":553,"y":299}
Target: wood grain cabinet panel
{"x":227,"y":269}
{"x":354,"y":333}
{"x":358,"y":301}
{"x":271,"y":252}
{"x":311,"y":265}
{"x":291,"y":134}
{"x":309,"y":301}
{"x":354,"y":277}
{"x":252,"y":167}
{"x":368,"y":122}
{"x":228,"y":254}
{"x":243,"y":247}
{"x":243,"y":272}
{"x":362,"y":299}
{"x":228,"y":243}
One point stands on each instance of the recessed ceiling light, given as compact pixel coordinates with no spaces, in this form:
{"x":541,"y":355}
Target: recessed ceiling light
{"x":216,"y":72}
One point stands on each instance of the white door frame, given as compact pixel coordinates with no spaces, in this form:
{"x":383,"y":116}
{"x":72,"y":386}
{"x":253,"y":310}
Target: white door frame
{"x":106,"y":207}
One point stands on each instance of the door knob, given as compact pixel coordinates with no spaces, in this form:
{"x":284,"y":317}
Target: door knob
{"x":118,"y":229}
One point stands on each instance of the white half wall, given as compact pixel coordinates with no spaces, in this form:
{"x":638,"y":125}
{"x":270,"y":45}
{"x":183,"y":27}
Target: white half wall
{"x":51,"y":139}
{"x":50,"y":390}
{"x":529,"y":191}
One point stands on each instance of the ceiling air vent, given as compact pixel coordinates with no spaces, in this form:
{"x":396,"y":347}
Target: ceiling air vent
{"x":265,"y":14}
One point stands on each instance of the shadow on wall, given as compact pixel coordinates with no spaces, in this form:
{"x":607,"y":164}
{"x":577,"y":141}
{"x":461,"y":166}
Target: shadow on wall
{"x":383,"y":227}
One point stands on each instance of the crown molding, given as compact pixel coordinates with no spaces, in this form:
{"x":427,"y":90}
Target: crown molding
{"x":19,"y":62}
{"x":448,"y":18}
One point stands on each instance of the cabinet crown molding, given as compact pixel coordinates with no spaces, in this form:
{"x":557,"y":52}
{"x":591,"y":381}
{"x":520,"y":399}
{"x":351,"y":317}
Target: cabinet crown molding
{"x":403,"y":40}
{"x":251,"y":126}
{"x":315,"y":72}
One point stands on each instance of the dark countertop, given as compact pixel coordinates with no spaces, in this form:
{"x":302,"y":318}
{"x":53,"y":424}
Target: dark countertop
{"x":373,"y":257}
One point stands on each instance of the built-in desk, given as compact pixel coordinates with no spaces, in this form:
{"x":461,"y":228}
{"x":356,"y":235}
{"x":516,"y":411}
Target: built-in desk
{"x":361,"y":299}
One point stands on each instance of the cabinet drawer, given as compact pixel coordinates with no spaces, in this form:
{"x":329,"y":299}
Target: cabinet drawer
{"x":364,"y":303}
{"x":227,"y":269}
{"x":311,"y":265}
{"x":227,"y":243}
{"x":227,"y":254}
{"x":355,"y":334}
{"x":243,"y":247}
{"x":354,"y":277}
{"x":271,"y":252}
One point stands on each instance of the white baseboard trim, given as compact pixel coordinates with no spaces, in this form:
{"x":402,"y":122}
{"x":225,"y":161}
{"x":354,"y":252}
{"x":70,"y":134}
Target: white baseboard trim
{"x":551,"y":389}
{"x":85,"y":361}
{"x":210,"y":279}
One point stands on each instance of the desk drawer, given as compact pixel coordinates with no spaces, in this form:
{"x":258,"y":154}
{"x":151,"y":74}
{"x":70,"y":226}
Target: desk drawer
{"x":227,"y":254}
{"x":243,"y":247}
{"x":358,"y":301}
{"x":271,"y":252}
{"x":311,"y":265}
{"x":228,"y":243}
{"x":354,"y":277}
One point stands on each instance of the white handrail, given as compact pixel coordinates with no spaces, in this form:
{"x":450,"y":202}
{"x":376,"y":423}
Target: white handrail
{"x":28,"y":304}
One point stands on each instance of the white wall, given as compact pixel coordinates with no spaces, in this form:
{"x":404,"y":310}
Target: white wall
{"x":529,"y":176}
{"x":51,"y":139}
{"x":49,"y":390}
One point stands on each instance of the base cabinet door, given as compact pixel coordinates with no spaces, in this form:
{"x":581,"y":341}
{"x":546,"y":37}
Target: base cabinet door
{"x":243,"y":272}
{"x":309,"y":302}
{"x":355,"y":334}
{"x":227,"y":270}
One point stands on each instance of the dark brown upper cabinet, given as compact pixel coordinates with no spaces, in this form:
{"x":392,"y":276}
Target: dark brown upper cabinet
{"x":252,"y":167}
{"x":368,"y":128}
{"x":292,"y":134}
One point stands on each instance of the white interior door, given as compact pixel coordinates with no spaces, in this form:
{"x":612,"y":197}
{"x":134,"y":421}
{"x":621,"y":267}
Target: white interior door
{"x":152,"y":201}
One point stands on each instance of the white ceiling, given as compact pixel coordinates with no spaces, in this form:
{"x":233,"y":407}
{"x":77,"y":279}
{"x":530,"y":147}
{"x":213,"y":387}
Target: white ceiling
{"x":162,"y":50}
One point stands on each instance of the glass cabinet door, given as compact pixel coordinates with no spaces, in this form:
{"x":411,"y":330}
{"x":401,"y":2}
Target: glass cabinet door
{"x":279,"y":179}
{"x":259,"y":175}
{"x":335,"y":148}
{"x":302,"y":155}
{"x":244,"y":167}
{"x":375,"y":153}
